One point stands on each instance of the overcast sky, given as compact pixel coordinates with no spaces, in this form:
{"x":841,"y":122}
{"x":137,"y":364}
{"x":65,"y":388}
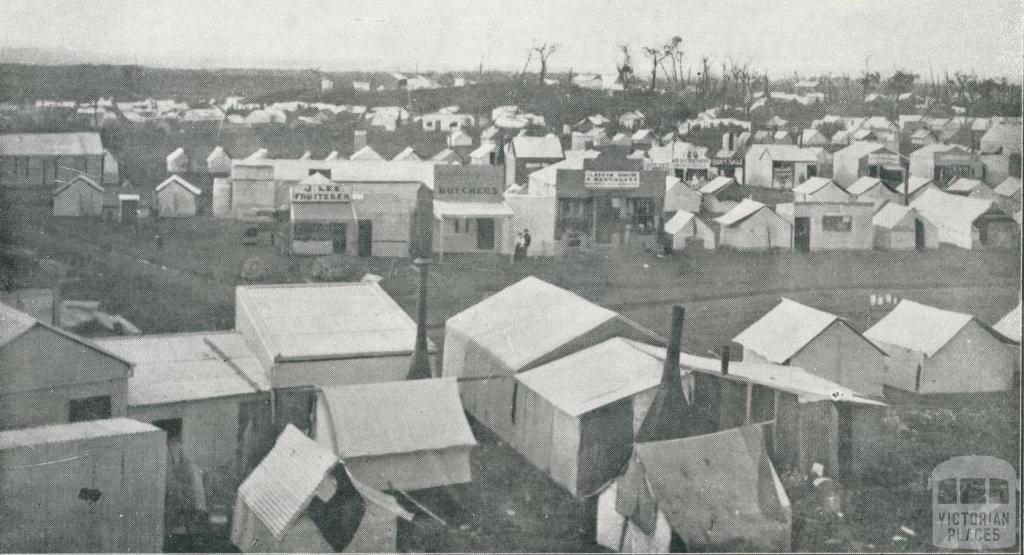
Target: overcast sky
{"x":780,"y":36}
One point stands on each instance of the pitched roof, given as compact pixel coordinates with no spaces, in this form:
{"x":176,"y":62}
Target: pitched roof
{"x":787,"y":153}
{"x":76,"y":431}
{"x":858,"y":150}
{"x":511,"y":326}
{"x":678,"y":221}
{"x":863,"y":185}
{"x":913,"y":183}
{"x":187,"y":366}
{"x":407,"y":154}
{"x":285,"y":482}
{"x":330,"y":320}
{"x":1009,"y":187}
{"x":390,"y":418}
{"x":50,"y":144}
{"x":890,"y":215}
{"x":965,"y":185}
{"x":745,"y":209}
{"x":785,"y":330}
{"x":918,"y":327}
{"x":1010,"y":325}
{"x":84,"y":179}
{"x":716,"y":184}
{"x":366,"y":153}
{"x":483,"y":150}
{"x":594,"y":377}
{"x":813,"y":185}
{"x":176,"y":179}
{"x":547,"y":146}
{"x":14,"y":323}
{"x":950,"y":210}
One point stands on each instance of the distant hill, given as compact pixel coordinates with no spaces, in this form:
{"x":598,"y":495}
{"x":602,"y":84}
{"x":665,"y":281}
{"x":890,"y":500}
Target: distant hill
{"x":57,"y":56}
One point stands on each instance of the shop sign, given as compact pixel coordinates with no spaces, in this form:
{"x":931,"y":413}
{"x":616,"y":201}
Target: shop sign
{"x":467,"y":191}
{"x":324,"y":193}
{"x":955,"y":159}
{"x":611,"y":180}
{"x":883,"y":159}
{"x":691,"y":163}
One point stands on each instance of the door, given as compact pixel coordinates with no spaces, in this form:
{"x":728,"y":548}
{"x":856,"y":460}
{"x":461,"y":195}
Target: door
{"x":919,"y":242}
{"x":802,"y":234}
{"x":845,"y":444}
{"x":365,"y":244}
{"x":339,"y":238}
{"x":606,"y":220}
{"x":812,"y":171}
{"x":129,"y":211}
{"x":485,"y":234}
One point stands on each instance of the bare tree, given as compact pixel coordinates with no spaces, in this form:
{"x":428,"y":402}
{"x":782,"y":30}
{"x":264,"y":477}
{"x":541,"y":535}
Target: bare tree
{"x":544,"y":51}
{"x":674,"y":53}
{"x":625,"y":69}
{"x":657,"y":56}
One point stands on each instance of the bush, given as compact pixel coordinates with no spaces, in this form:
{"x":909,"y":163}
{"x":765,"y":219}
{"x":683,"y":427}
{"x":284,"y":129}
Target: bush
{"x":336,"y":269}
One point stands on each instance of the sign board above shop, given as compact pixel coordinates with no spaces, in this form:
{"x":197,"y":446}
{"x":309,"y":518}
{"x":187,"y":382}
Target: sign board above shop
{"x":611,"y":179}
{"x":883,"y":159}
{"x":332,"y":193}
{"x":956,"y":158}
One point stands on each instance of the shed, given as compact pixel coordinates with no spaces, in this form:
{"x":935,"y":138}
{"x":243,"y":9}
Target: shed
{"x":720,"y":195}
{"x":52,"y":376}
{"x":93,"y":486}
{"x":751,"y":225}
{"x":178,"y":162}
{"x":207,"y":391}
{"x":680,"y":196}
{"x":686,"y":226}
{"x":401,"y":435}
{"x":899,"y":227}
{"x":218,"y":162}
{"x":526,"y":325}
{"x":820,"y":189}
{"x":967,"y":222}
{"x":575,"y":418}
{"x":81,"y":197}
{"x":714,"y":492}
{"x":176,"y":197}
{"x":829,"y":226}
{"x":939,"y":351}
{"x":873,"y":190}
{"x":302,"y":499}
{"x":819,"y":342}
{"x":783,"y":166}
{"x":308,"y":335}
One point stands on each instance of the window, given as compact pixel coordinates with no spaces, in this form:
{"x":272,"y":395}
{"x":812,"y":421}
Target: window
{"x":947,"y":494}
{"x":837,"y":223}
{"x":972,"y":491}
{"x":998,"y":491}
{"x":455,"y":225}
{"x":172,"y":426}
{"x":90,"y":408}
{"x":303,"y":231}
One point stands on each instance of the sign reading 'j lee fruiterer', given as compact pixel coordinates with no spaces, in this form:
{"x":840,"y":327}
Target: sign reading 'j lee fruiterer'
{"x":332,"y":192}
{"x":611,"y":180}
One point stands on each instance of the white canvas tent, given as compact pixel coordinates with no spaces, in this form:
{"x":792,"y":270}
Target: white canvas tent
{"x":521,"y":327}
{"x":273,"y":510}
{"x":404,"y":435}
{"x":714,"y":492}
{"x":686,"y":225}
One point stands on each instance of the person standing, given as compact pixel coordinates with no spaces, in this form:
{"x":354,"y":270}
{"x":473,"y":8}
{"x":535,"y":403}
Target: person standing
{"x":517,"y":252}
{"x":526,"y":241}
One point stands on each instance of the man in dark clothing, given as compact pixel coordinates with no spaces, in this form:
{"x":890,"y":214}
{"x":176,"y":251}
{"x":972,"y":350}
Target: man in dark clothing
{"x":526,"y":241}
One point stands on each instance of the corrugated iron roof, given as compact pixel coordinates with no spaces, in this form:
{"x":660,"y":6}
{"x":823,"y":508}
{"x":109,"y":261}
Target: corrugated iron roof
{"x":284,"y":483}
{"x":785,"y":330}
{"x":318,"y":321}
{"x":77,"y":431}
{"x":918,"y":327}
{"x":51,"y":144}
{"x":396,"y":417}
{"x":187,"y":367}
{"x":13,"y":323}
{"x":594,"y":377}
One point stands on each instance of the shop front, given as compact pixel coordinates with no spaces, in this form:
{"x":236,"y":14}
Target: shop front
{"x":470,"y":214}
{"x":886,"y":165}
{"x":956,"y":163}
{"x":322,"y":217}
{"x":612,"y":201}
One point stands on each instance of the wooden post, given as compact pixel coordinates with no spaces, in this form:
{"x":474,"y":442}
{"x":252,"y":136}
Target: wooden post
{"x":419,"y":367}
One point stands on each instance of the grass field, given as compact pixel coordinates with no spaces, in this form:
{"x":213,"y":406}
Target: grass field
{"x":188,"y":284}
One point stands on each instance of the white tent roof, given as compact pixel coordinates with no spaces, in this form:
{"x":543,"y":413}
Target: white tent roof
{"x":407,"y":154}
{"x":528,"y":319}
{"x":366,"y":153}
{"x":785,"y":330}
{"x":397,"y":417}
{"x":483,"y":150}
{"x":915,"y":183}
{"x":716,"y":184}
{"x":918,"y":327}
{"x":890,"y":215}
{"x":176,"y":179}
{"x":950,"y":210}
{"x":965,"y":185}
{"x":1009,"y":187}
{"x":812,"y":185}
{"x":594,"y":377}
{"x":746,"y":208}
{"x":863,"y":185}
{"x":547,"y":146}
{"x":679,"y":221}
{"x":1010,"y":324}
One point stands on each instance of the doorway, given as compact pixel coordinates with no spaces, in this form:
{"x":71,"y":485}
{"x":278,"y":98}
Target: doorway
{"x":129,"y":211}
{"x":919,"y":242}
{"x":802,"y":234}
{"x":339,"y":238}
{"x":606,"y":220}
{"x":844,"y":448}
{"x":365,"y":240}
{"x":485,"y":234}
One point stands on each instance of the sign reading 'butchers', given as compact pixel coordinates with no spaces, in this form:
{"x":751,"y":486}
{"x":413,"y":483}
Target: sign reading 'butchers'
{"x":611,"y":180}
{"x":331,"y":192}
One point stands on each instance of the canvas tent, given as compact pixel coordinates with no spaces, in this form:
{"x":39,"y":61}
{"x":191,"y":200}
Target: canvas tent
{"x":686,"y":226}
{"x":715,"y":492}
{"x":177,"y":197}
{"x":1010,"y":325}
{"x":820,"y":189}
{"x":575,"y":418}
{"x":873,"y":190}
{"x":967,"y":222}
{"x":939,"y":351}
{"x":521,"y":327}
{"x":79,"y":197}
{"x":819,"y":342}
{"x":751,"y":225}
{"x":899,"y":227}
{"x":404,"y":435}
{"x":720,"y":194}
{"x":301,"y":499}
{"x":680,"y":196}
